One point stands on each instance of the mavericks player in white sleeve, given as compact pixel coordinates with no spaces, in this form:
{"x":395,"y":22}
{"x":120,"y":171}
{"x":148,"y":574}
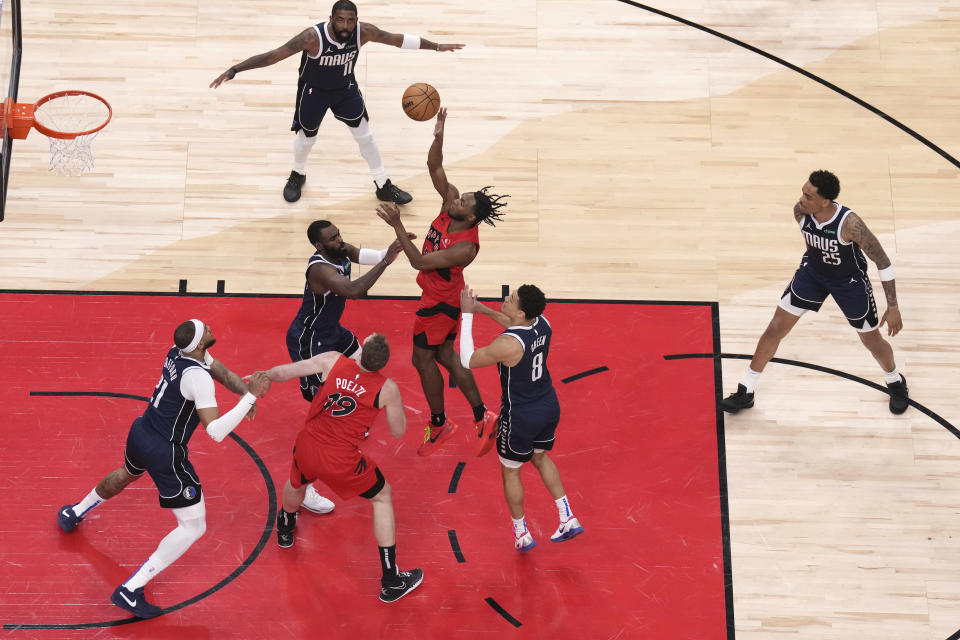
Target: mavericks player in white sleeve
{"x":157,"y":444}
{"x":529,"y":411}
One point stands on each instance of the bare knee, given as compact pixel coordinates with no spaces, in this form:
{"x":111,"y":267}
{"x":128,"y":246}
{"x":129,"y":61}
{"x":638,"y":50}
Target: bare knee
{"x":422,"y":358}
{"x":539,"y":459}
{"x":447,"y":357}
{"x":383,"y":495}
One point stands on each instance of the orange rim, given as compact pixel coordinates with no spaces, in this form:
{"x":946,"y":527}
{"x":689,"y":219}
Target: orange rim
{"x":66,"y":135}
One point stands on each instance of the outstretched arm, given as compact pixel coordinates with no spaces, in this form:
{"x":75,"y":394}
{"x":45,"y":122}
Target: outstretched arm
{"x":321,"y":363}
{"x":306,"y":40}
{"x":323,"y":278}
{"x":435,"y":162}
{"x":459,"y":255}
{"x":371,"y":33}
{"x":855,"y":230}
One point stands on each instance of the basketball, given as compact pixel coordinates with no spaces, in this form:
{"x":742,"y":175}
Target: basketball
{"x":421,"y":101}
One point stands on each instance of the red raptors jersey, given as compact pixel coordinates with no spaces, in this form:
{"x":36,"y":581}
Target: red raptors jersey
{"x":444,"y":285}
{"x":343,"y":408}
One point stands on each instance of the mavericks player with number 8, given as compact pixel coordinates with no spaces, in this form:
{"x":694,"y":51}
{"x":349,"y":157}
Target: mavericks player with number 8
{"x":833,"y":265}
{"x":529,"y":411}
{"x":329,"y":53}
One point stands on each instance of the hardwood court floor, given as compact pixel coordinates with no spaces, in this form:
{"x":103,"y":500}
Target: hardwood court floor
{"x":647,"y":160}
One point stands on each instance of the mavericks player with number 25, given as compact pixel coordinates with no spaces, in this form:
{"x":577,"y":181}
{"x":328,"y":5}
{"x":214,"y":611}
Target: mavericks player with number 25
{"x":833,"y":265}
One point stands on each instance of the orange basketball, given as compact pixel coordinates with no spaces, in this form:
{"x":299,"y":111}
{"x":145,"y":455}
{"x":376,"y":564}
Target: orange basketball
{"x":421,"y":101}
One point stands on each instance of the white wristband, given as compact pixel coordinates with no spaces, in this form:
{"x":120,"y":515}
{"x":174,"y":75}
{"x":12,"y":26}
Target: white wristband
{"x":466,"y":339}
{"x":370,"y":256}
{"x":410,"y":42}
{"x":886,"y":275}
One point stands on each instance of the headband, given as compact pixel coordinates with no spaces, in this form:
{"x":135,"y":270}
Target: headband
{"x":196,"y":338}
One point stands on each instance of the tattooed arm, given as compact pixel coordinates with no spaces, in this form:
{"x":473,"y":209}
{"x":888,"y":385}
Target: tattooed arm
{"x":798,"y":213}
{"x":855,"y":230}
{"x":306,"y":40}
{"x":227,"y":378}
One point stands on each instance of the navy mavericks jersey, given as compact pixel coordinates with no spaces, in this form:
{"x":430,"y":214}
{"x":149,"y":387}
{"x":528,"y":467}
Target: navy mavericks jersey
{"x":827,"y":253}
{"x":333,"y":67}
{"x":320,"y":315}
{"x":169,"y":413}
{"x":528,"y":380}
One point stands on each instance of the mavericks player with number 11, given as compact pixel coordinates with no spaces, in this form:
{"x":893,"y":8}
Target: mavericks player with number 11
{"x":326,"y":81}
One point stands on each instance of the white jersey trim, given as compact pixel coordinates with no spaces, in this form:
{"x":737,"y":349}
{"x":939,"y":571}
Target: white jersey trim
{"x":832,"y":218}
{"x":840,"y":229}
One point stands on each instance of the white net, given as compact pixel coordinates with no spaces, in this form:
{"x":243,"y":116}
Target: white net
{"x":71,"y":156}
{"x":72,"y":114}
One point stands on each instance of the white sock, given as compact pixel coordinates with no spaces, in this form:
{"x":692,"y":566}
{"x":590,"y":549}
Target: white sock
{"x":370,"y":151}
{"x":893,"y":376}
{"x":301,"y":149}
{"x":750,"y":379}
{"x":519,"y":526}
{"x":563,"y":508}
{"x":92,"y":500}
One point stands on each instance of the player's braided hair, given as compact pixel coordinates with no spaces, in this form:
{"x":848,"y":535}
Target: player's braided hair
{"x":487,"y":206}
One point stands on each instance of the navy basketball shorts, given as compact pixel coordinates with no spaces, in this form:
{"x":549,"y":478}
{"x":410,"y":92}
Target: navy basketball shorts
{"x":302,"y":345}
{"x":524,"y":429}
{"x":312,"y":104}
{"x":167,"y":464}
{"x":853,"y":294}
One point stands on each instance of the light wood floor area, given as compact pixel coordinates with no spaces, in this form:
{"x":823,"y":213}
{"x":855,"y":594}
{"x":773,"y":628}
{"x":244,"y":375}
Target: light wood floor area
{"x":646,"y":160}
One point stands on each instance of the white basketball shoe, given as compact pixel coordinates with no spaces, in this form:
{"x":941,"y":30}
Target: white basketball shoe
{"x":313,"y":501}
{"x":567,"y":530}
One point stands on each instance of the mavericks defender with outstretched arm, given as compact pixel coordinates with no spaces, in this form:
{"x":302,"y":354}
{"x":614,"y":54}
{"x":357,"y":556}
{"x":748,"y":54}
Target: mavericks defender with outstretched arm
{"x":316,"y":328}
{"x":157,"y":444}
{"x":329,"y":54}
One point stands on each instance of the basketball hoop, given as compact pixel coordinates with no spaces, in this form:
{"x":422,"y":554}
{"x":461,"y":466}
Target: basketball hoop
{"x":71,"y":119}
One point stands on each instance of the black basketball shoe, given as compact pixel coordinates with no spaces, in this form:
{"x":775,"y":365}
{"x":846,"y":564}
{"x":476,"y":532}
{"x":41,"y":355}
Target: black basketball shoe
{"x":291,"y":192}
{"x":286,"y":522}
{"x":390,"y":192}
{"x":899,"y":395}
{"x":736,"y":401}
{"x":401,"y":585}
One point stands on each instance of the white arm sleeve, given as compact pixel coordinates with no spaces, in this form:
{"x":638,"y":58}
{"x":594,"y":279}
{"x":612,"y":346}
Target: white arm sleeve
{"x":369,"y":256}
{"x":219,"y":428}
{"x":466,"y":339}
{"x":197,"y":385}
